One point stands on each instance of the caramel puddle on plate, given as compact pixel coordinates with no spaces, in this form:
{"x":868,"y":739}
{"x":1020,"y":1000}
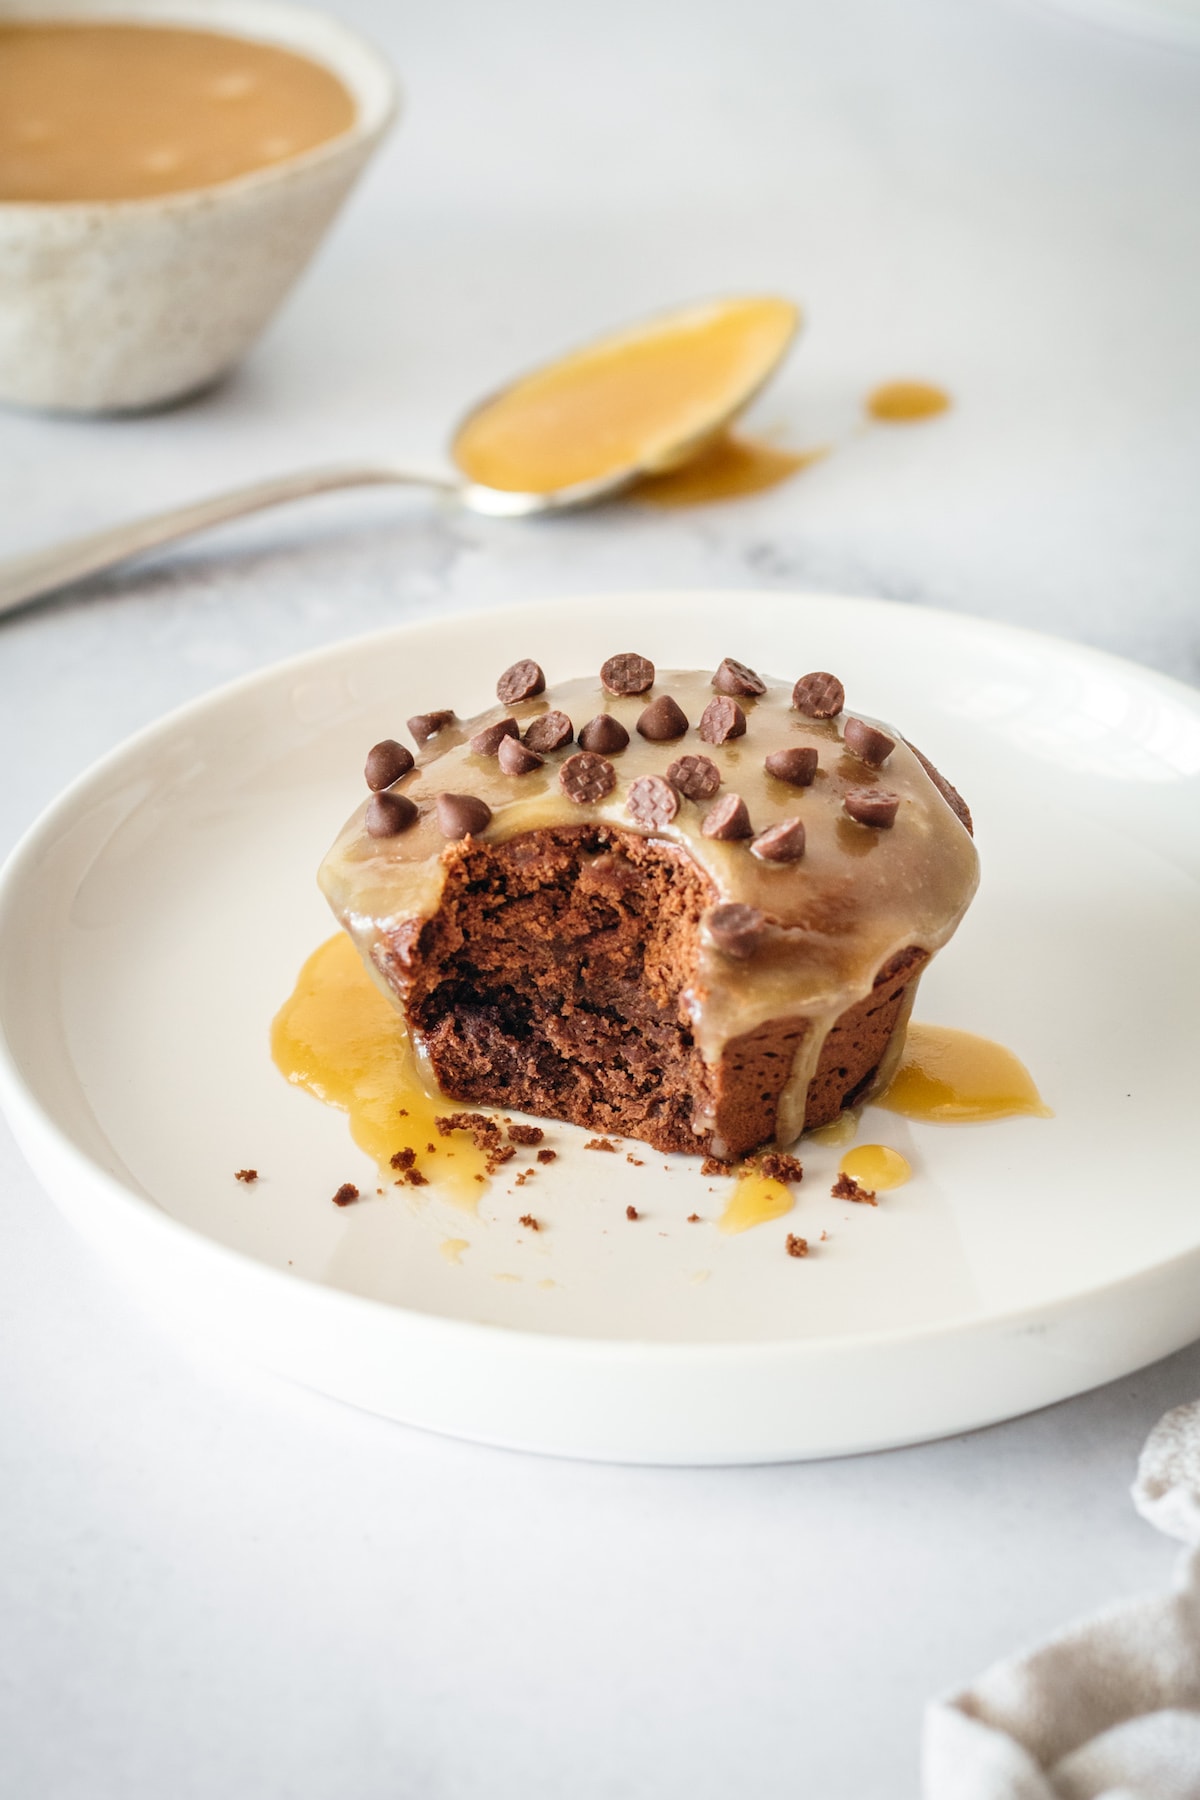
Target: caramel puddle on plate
{"x":875,"y":1166}
{"x":756,"y":1200}
{"x":337,"y":1036}
{"x":955,"y":1077}
{"x":730,"y":467}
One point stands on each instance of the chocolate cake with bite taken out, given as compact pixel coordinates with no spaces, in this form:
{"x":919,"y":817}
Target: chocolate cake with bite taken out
{"x":685,"y":907}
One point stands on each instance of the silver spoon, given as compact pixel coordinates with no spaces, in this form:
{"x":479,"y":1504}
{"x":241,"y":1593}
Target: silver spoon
{"x":566,"y":393}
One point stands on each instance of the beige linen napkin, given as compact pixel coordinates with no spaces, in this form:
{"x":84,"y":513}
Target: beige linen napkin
{"x":1108,"y":1709}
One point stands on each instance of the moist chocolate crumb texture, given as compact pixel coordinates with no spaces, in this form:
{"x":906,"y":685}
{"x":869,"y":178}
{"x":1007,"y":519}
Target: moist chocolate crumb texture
{"x":585,"y":936}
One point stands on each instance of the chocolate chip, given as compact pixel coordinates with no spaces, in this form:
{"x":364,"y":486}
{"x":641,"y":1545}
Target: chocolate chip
{"x":605,"y":735}
{"x":549,"y":731}
{"x":662,"y":720}
{"x":735,"y":678}
{"x":696,"y":777}
{"x":872,"y":806}
{"x":387,"y":761}
{"x":797,"y":766}
{"x":521,"y":682}
{"x":628,"y":674}
{"x":462,"y":815}
{"x":489,"y":740}
{"x":721,"y":720}
{"x":587,"y":777}
{"x":389,"y":814}
{"x":865,"y":742}
{"x":516,"y":758}
{"x":728,"y":818}
{"x":652,"y":801}
{"x":819,"y":695}
{"x":426,"y":725}
{"x":782,"y":843}
{"x":735,"y":929}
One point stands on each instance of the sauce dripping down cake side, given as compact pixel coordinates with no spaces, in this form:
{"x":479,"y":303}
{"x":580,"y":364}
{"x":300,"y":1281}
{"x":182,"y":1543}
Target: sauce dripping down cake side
{"x":689,"y":907}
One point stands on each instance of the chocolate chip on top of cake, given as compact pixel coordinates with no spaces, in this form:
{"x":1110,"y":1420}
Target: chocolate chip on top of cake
{"x":685,"y":906}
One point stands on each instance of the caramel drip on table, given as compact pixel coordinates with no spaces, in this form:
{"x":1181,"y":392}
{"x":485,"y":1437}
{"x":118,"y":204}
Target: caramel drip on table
{"x":339,"y":1037}
{"x":954,"y":1077}
{"x":124,"y":112}
{"x":731,"y":467}
{"x":906,"y":402}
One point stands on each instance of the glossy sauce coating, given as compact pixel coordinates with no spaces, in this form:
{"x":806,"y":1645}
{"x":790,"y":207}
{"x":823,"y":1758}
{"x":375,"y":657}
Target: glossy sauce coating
{"x":954,"y":1077}
{"x":857,"y":897}
{"x":124,"y":112}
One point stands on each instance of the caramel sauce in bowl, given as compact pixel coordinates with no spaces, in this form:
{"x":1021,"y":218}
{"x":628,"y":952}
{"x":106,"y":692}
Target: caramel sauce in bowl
{"x":143,"y":247}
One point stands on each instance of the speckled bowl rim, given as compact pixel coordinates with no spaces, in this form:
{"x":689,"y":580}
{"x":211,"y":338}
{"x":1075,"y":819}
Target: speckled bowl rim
{"x":374,"y":114}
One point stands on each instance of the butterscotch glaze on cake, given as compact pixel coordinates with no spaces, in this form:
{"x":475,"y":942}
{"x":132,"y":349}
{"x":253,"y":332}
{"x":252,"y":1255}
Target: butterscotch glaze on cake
{"x":850,"y":900}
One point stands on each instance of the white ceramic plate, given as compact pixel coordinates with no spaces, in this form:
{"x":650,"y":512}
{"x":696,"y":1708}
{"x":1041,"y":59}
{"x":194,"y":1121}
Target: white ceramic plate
{"x":155,"y":918}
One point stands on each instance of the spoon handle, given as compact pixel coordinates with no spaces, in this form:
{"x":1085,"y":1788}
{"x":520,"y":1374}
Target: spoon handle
{"x":27,"y":578}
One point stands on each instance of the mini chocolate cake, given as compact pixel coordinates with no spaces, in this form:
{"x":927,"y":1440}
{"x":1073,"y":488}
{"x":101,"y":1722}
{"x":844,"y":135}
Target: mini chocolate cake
{"x":683,"y":907}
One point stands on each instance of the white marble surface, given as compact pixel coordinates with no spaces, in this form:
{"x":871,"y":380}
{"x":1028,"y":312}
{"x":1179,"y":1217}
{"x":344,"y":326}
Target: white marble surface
{"x":213,"y":1584}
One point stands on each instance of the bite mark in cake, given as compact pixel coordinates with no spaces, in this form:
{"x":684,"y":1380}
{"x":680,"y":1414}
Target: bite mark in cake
{"x":582,"y":916}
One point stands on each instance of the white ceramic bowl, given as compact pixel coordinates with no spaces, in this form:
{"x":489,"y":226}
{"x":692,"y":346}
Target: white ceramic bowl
{"x":119,"y":304}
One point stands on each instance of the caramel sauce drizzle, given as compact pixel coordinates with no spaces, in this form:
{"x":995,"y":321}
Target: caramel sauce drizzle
{"x":338,"y":1036}
{"x":731,"y":467}
{"x":857,"y":898}
{"x":954,"y":1077}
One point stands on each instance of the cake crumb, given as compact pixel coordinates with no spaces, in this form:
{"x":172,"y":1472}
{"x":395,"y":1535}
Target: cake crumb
{"x":693,"y":1218}
{"x":796,"y":1246}
{"x":712,"y":1165}
{"x":824,"y":1238}
{"x":346,"y":1195}
{"x":631,"y":1212}
{"x":415,"y":1178}
{"x":402,"y":1112}
{"x":601,"y":1144}
{"x":778,"y":1167}
{"x":525,"y":1175}
{"x":403,"y":1159}
{"x":432,"y":1149}
{"x":530,"y":1223}
{"x":846,"y":1188}
{"x":485,"y":1133}
{"x":246,"y":1175}
{"x":635,"y":1160}
{"x":547,"y":1156}
{"x":525,"y":1134}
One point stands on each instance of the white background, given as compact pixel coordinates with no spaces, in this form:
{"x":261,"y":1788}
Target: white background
{"x":216,"y":1585}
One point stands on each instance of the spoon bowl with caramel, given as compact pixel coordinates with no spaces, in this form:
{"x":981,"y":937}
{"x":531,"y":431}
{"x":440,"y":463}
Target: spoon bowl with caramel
{"x":637,"y":402}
